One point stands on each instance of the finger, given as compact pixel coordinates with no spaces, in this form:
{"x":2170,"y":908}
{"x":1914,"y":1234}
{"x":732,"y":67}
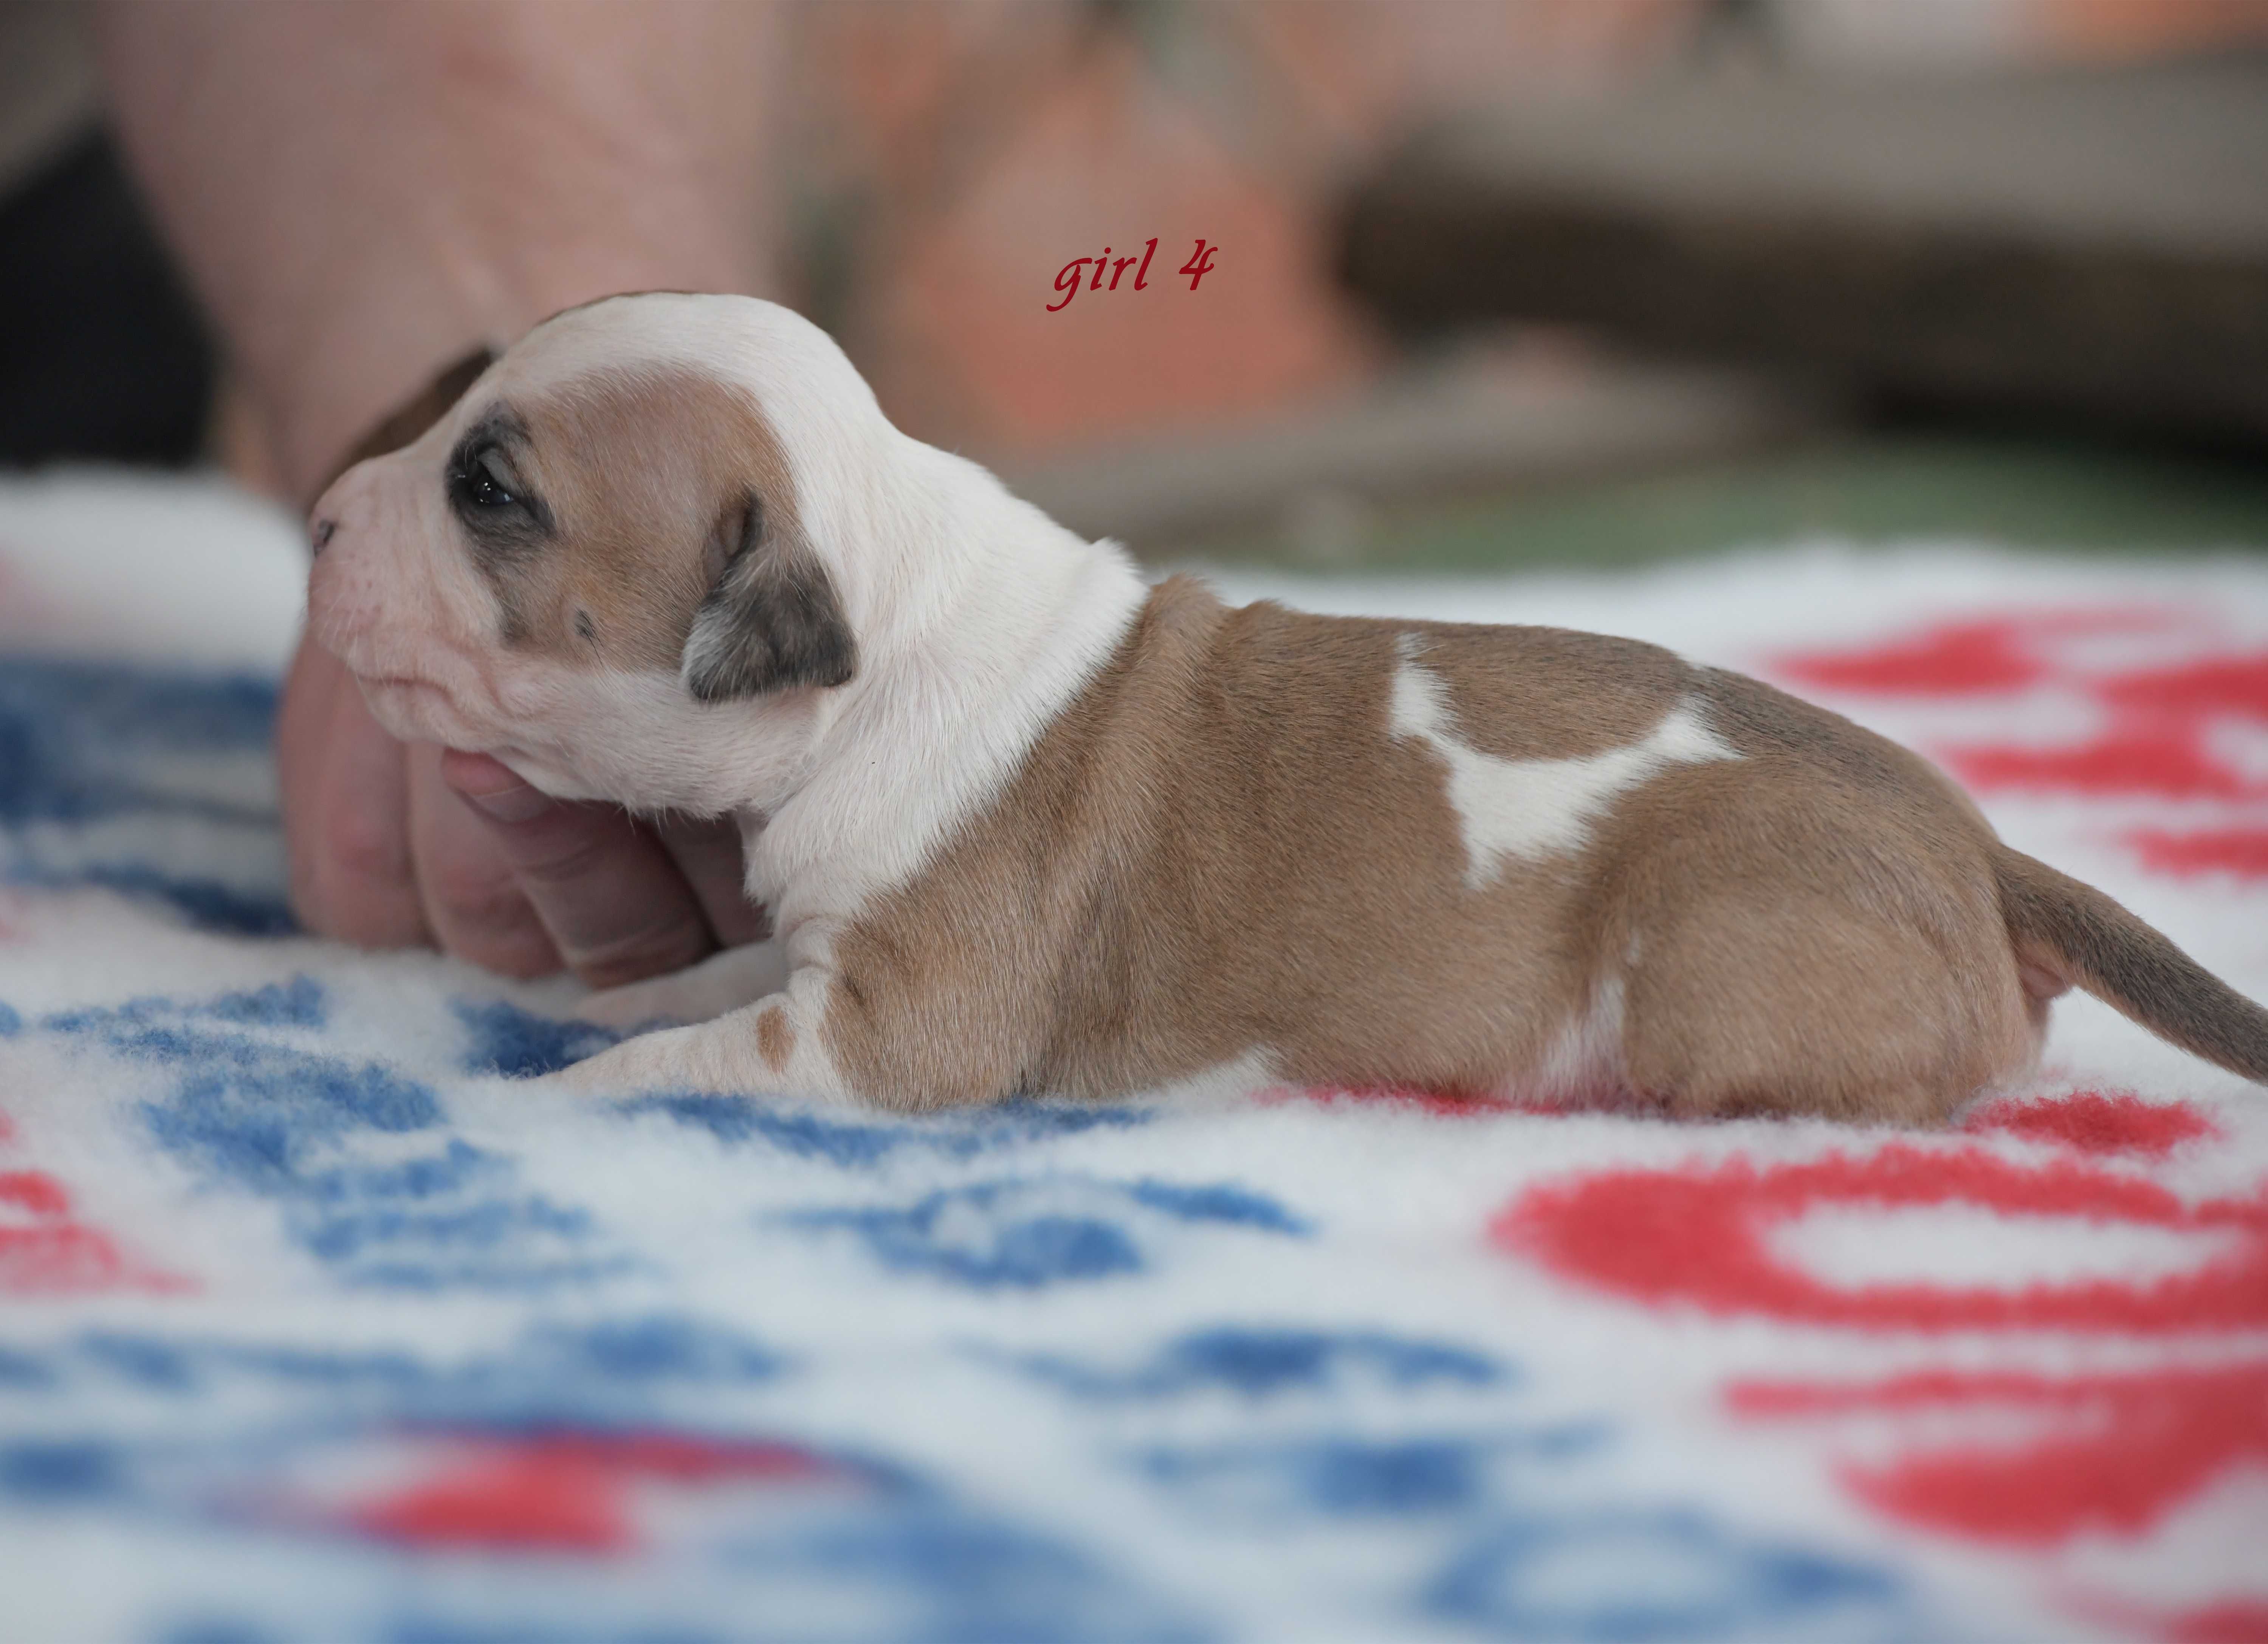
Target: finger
{"x":472,"y":894}
{"x":303,"y":713}
{"x":608,"y":894}
{"x":707,"y":851}
{"x":345,"y":800}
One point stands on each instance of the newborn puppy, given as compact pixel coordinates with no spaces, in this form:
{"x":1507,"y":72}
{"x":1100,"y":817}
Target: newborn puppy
{"x":1027,"y":825}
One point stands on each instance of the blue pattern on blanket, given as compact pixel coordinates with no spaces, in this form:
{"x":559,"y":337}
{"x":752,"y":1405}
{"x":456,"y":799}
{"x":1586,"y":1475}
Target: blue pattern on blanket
{"x":1502,"y":1524}
{"x":1028,"y":1234}
{"x":1498,"y":1529}
{"x":855,"y":1143}
{"x":97,"y":763}
{"x":611,"y":1370}
{"x":531,"y":1413}
{"x":1678,"y":1576}
{"x":1258,"y":1362}
{"x":520,"y":1044}
{"x":888,"y":1551}
{"x":78,"y":739}
{"x":252,"y":1101}
{"x":1347,"y":1478}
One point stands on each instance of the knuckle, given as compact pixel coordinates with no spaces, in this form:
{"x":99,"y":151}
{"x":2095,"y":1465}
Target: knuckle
{"x":302,"y":890}
{"x":486,"y":922}
{"x":565,"y":865}
{"x":352,"y":883}
{"x":362,"y":844}
{"x":302,"y":881}
{"x":470,"y":896}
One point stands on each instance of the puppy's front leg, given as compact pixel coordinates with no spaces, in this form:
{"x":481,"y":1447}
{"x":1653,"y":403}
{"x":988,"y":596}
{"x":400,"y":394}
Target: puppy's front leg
{"x":722,"y":982}
{"x":770,"y":1048}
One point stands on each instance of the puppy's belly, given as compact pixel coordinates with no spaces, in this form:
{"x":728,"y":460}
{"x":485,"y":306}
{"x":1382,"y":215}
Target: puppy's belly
{"x":1574,"y":1056}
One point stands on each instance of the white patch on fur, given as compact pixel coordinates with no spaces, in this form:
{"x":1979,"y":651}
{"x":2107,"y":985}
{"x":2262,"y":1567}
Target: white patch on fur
{"x":1585,"y":1061}
{"x":1225,"y":1083}
{"x":1512,"y":809}
{"x":1006,"y":621}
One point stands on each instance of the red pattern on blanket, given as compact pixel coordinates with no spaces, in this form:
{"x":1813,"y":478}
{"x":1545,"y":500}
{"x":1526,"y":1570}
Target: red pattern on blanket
{"x":565,"y":1492}
{"x":2029,"y":1460}
{"x":46,"y":1250}
{"x":2159,"y":728}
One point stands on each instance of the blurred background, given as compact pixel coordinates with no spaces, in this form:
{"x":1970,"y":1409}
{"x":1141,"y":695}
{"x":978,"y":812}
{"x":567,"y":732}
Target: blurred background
{"x":1493,"y":282}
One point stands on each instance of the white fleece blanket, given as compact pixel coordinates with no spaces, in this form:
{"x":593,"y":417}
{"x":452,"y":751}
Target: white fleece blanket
{"x":313,"y":1327}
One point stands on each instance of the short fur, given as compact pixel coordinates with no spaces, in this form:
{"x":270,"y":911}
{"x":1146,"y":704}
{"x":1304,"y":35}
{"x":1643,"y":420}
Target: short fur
{"x":1188,"y":867}
{"x":2081,"y":938}
{"x":1026,"y":825}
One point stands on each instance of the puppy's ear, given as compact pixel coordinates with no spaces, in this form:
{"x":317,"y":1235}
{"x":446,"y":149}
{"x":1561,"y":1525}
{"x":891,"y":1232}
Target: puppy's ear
{"x":771,"y":619}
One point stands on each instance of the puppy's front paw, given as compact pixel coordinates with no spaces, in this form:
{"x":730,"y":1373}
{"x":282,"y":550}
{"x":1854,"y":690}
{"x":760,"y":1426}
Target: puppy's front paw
{"x":638,"y":1004}
{"x":710,"y":1059}
{"x":721,"y":983}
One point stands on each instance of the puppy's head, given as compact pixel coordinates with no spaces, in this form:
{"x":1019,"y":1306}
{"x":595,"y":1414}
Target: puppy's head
{"x":602,"y":564}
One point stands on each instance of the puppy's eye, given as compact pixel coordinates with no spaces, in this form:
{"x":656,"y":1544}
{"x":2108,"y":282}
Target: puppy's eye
{"x":485,"y":483}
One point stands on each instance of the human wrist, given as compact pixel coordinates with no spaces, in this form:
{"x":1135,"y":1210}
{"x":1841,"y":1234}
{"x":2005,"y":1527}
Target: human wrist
{"x":360,"y":193}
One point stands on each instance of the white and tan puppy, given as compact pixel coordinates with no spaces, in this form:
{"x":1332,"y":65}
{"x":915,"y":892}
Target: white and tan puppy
{"x":1027,"y":825}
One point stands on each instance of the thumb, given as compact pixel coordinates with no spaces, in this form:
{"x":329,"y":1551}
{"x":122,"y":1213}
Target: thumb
{"x":604,"y":888}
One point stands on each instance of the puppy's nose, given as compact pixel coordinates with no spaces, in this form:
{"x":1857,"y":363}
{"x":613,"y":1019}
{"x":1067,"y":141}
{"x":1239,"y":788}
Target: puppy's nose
{"x":323,"y":533}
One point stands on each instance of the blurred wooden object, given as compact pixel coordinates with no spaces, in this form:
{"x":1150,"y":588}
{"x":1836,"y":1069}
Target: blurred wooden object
{"x":1478,"y":420}
{"x":2093,"y":244}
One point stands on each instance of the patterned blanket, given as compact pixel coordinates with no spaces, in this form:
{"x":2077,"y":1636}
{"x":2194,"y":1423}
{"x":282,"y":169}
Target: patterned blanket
{"x":315,"y":1326}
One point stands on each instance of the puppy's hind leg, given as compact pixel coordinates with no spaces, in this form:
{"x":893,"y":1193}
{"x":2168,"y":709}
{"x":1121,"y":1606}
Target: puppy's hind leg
{"x":1745,"y":1004}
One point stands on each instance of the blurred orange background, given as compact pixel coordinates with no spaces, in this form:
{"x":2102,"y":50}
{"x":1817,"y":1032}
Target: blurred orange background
{"x":945,"y":160}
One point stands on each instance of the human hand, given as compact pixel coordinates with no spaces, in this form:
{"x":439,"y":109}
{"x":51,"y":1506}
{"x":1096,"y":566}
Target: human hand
{"x":395,"y":845}
{"x":356,"y":192}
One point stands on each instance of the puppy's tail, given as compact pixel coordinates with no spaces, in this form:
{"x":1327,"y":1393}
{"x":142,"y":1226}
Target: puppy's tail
{"x":2075,"y":934}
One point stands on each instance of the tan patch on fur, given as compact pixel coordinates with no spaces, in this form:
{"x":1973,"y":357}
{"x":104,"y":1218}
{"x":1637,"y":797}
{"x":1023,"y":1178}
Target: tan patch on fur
{"x":638,"y":472}
{"x":1220,"y":847}
{"x":1819,"y":927}
{"x":775,"y":1038}
{"x":1549,"y":693}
